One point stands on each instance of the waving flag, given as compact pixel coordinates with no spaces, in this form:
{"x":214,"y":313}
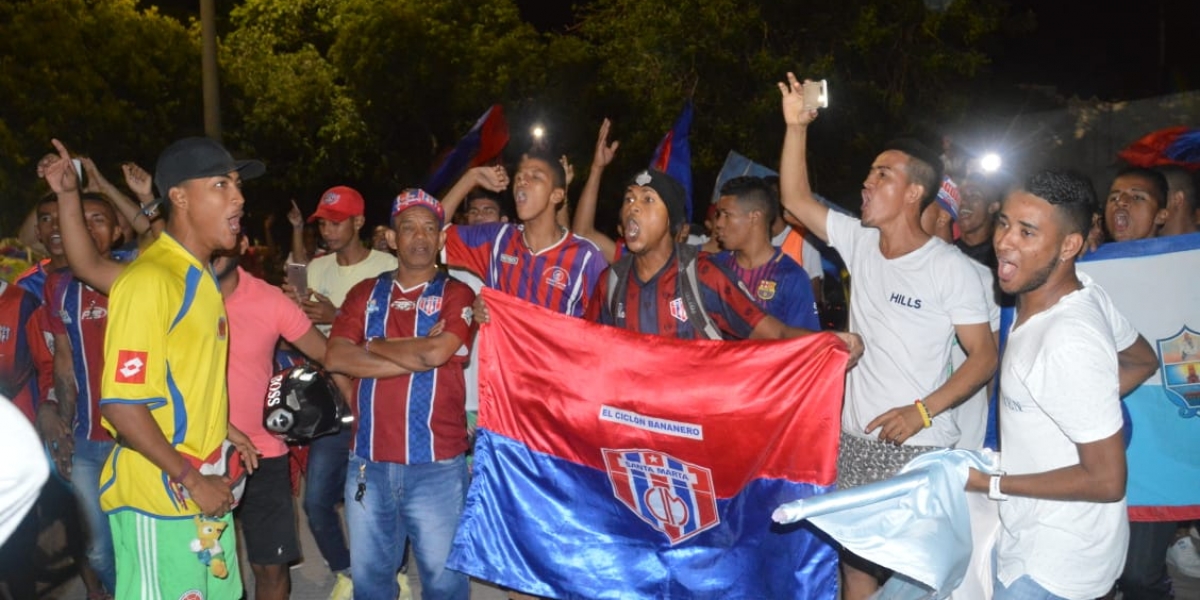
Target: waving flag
{"x":605,"y":468}
{"x":1164,"y":446}
{"x":673,"y":155}
{"x":483,"y":142}
{"x":1170,"y":146}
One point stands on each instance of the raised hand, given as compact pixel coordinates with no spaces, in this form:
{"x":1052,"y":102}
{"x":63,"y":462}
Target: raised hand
{"x":568,"y":169}
{"x":138,"y":180}
{"x":605,"y":152}
{"x":493,"y":178}
{"x":95,"y":181}
{"x":794,"y":110}
{"x":59,"y":172}
{"x":295,"y":217}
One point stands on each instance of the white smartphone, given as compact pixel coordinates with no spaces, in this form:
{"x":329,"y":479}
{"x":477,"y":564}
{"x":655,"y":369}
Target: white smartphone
{"x":816,"y":94}
{"x":78,"y":168}
{"x":297,"y":277}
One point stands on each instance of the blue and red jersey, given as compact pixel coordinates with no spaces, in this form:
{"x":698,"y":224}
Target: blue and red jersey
{"x":419,"y":417}
{"x":17,"y":369}
{"x":657,"y":307}
{"x":780,"y":286}
{"x":560,"y":278}
{"x":80,"y":313}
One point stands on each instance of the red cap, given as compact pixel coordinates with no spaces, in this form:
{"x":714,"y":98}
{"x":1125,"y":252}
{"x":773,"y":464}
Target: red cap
{"x":338,"y":204}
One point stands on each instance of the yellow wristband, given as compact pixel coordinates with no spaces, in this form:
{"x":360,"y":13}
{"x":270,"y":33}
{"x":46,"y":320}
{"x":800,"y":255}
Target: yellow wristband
{"x":925,"y":418}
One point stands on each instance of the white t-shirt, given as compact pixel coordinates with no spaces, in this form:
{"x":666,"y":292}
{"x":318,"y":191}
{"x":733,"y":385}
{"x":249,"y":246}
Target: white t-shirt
{"x":905,"y":309}
{"x":971,"y":415}
{"x":328,"y":278}
{"x":1059,"y":387}
{"x":22,"y":476}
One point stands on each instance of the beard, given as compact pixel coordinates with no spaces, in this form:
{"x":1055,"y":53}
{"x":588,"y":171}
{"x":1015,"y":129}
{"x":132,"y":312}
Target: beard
{"x":1040,"y":277}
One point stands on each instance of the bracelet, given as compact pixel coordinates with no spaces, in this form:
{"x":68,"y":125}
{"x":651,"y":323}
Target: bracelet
{"x":925,"y":418}
{"x":187,"y":468}
{"x":994,"y":492}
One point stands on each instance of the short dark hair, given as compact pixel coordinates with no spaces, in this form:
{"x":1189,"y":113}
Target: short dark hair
{"x":47,"y":198}
{"x":1182,"y":180}
{"x":102,"y":199}
{"x":924,"y":166}
{"x":753,"y":193}
{"x":557,"y":172}
{"x":1070,"y":193}
{"x":1158,"y":182}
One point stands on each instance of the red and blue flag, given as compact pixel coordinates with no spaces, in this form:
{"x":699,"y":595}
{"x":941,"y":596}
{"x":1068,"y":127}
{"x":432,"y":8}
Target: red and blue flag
{"x":673,"y":155}
{"x":611,"y":464}
{"x":484,"y":142}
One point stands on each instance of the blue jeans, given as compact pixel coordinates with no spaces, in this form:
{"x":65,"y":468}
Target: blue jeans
{"x":1024,"y":588}
{"x":326,"y":476}
{"x":1145,"y":575}
{"x":422,"y":503}
{"x":85,"y":477}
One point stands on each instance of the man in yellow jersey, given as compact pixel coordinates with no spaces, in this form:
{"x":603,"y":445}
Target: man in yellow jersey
{"x":163,"y":392}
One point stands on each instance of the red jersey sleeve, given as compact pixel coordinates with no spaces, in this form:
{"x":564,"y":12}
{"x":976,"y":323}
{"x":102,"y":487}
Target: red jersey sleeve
{"x":457,"y":299}
{"x":351,"y":317}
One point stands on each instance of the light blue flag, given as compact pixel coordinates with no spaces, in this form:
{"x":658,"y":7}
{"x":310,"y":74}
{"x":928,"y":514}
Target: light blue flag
{"x":916,"y":523}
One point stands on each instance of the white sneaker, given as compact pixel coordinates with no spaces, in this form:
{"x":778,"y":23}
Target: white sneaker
{"x":1183,"y":556}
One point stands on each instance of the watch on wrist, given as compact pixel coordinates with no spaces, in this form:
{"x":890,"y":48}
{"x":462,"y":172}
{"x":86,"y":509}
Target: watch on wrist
{"x":994,"y":492}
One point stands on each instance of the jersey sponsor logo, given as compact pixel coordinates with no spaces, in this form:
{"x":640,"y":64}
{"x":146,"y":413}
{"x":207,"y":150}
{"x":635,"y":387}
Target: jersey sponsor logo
{"x":508,"y":259}
{"x":1179,"y":364}
{"x":222,"y":328}
{"x":131,"y":366}
{"x":92,"y":313}
{"x":766,"y":290}
{"x":678,"y":311}
{"x":430,"y":305}
{"x":404,"y":305}
{"x":5,"y":333}
{"x":903,"y":300}
{"x":557,"y":277}
{"x":676,"y":498}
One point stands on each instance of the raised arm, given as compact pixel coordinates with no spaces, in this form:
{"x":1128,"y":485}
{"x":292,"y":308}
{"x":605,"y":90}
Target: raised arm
{"x":794,"y":188}
{"x":132,"y":211}
{"x":86,"y":262}
{"x":296,"y":219}
{"x":493,"y":178}
{"x":584,"y":223}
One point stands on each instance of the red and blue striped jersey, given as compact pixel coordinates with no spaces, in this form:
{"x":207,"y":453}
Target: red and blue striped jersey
{"x":81,"y":314}
{"x":17,"y":374}
{"x":560,"y":278}
{"x":419,"y":417}
{"x":780,"y":286}
{"x":656,"y":306}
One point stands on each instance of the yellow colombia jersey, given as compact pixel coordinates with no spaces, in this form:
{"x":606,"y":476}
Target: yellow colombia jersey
{"x":165,"y":347}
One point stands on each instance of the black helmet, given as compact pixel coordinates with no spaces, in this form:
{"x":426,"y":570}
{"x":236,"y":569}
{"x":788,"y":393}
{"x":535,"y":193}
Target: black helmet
{"x":303,"y":403}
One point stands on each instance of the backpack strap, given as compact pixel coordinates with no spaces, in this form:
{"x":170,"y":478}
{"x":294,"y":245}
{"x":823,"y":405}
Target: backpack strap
{"x":689,"y":292}
{"x":618,"y":283}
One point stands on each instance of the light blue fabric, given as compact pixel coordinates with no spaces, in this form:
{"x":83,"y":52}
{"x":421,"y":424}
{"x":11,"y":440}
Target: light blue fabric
{"x":916,"y":523}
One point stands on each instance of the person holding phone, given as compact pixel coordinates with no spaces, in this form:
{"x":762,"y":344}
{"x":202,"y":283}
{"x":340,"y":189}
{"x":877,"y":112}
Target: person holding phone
{"x":340,"y":218}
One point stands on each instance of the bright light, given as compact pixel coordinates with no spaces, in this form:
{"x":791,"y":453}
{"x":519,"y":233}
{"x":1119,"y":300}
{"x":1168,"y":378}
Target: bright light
{"x":990,"y":162}
{"x":538,"y":132}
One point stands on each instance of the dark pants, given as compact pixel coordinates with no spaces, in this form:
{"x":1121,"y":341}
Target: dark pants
{"x":323,"y":490}
{"x":1145,"y":576}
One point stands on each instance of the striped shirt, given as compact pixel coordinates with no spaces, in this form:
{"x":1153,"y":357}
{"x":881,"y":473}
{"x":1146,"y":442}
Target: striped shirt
{"x":560,"y":278}
{"x":81,"y":314}
{"x":780,"y":286}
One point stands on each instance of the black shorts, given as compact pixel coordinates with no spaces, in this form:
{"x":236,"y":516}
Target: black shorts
{"x":267,"y":514}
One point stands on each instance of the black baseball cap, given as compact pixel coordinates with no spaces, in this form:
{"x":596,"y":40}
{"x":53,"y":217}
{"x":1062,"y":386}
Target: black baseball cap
{"x":670,"y":190}
{"x":197,"y":157}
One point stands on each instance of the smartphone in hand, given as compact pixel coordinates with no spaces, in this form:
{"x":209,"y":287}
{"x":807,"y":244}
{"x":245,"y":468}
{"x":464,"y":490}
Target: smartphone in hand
{"x":816,"y":94}
{"x":297,"y":277}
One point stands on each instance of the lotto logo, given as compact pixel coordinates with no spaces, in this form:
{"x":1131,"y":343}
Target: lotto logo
{"x":131,"y":366}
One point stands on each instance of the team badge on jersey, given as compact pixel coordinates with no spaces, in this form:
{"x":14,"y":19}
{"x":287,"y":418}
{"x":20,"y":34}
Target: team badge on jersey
{"x":557,"y":277}
{"x":678,"y":311}
{"x":672,"y":496}
{"x":766,"y":289}
{"x":222,"y":328}
{"x":1179,"y":362}
{"x":131,"y":366}
{"x":430,"y":305}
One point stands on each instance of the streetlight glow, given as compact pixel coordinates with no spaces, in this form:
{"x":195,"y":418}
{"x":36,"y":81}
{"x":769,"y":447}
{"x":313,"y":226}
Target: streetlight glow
{"x":538,"y":132}
{"x":990,"y":162}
